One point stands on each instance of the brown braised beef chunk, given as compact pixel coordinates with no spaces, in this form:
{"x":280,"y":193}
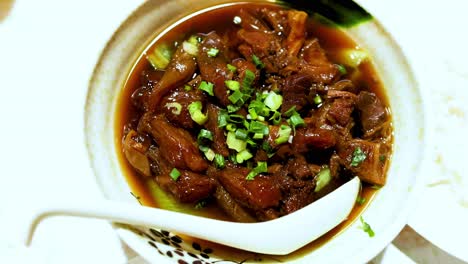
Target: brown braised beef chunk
{"x":252,"y":114}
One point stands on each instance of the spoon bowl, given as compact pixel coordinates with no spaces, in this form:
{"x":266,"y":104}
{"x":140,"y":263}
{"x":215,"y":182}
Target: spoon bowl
{"x":296,"y":229}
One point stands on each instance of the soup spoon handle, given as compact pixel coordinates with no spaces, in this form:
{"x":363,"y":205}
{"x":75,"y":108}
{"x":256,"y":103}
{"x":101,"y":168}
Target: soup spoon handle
{"x":279,"y":236}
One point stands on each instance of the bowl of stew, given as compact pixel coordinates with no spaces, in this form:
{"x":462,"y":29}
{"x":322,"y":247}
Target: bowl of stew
{"x":248,"y":111}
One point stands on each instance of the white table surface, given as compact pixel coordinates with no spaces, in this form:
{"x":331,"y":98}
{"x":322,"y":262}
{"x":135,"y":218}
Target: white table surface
{"x":47,"y":49}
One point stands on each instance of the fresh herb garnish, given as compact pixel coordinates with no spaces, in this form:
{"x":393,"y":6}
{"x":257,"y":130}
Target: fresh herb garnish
{"x":196,"y":113}
{"x":367,"y":228}
{"x":175,"y":174}
{"x":317,"y":99}
{"x":206,"y":87}
{"x":323,"y":179}
{"x":232,"y":68}
{"x":232,"y":85}
{"x":358,"y":157}
{"x":219,"y":161}
{"x":177,"y":108}
{"x":262,"y":167}
{"x":213,"y":52}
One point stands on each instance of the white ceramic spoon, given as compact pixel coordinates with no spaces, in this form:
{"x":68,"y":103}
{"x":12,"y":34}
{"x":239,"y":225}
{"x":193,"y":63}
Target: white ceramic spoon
{"x":278,"y":237}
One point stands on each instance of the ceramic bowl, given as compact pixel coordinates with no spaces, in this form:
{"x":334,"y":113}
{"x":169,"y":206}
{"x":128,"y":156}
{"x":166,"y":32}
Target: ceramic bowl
{"x":387,"y":213}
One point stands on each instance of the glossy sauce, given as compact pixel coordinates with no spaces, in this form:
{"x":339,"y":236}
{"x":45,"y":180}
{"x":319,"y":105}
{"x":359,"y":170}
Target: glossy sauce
{"x":331,"y":40}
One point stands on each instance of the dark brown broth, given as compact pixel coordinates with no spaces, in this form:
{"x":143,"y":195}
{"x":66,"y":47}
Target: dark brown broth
{"x":331,"y":39}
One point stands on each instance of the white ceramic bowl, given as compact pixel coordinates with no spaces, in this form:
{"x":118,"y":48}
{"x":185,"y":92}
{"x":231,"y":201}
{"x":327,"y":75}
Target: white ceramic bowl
{"x":387,"y":213}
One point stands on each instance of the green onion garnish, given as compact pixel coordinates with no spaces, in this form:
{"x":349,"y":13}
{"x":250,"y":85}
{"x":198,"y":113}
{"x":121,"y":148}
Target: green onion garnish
{"x":236,"y":96}
{"x":358,"y":157}
{"x":259,"y":127}
{"x":209,"y":154}
{"x":367,"y":228}
{"x":243,"y":156}
{"x":253,"y":114}
{"x":187,"y":88}
{"x":248,"y":79}
{"x":276,"y":118}
{"x":177,"y":107}
{"x":241,"y":134}
{"x":258,"y":136}
{"x":207,"y":87}
{"x":213,"y":52}
{"x":232,"y":85}
{"x":175,"y":174}
{"x":196,"y":113}
{"x":234,"y":143}
{"x":262,"y":167}
{"x":223,"y":118}
{"x":360,"y":200}
{"x":258,"y":63}
{"x":273,"y":101}
{"x":232,"y":68}
{"x":205,"y":134}
{"x":231,"y":127}
{"x":190,"y":47}
{"x":238,"y":119}
{"x":283,"y":134}
{"x":323,"y":179}
{"x":317,"y":99}
{"x":233,"y":108}
{"x":160,"y":57}
{"x":296,"y":120}
{"x":290,"y":112}
{"x":219,"y":161}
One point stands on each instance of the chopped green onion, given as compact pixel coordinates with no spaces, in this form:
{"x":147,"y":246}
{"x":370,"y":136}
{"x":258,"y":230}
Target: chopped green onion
{"x":251,"y":143}
{"x":232,"y":85}
{"x":241,"y":134}
{"x":248,"y":79}
{"x":261,"y":118}
{"x":190,"y":47}
{"x":199,"y":39}
{"x":219,"y":161}
{"x":296,"y":120}
{"x":290,"y":112}
{"x":238,"y":119}
{"x":358,"y":157}
{"x":233,"y":108}
{"x":262,"y":167}
{"x":323,"y":179}
{"x":367,"y":228}
{"x":160,"y":57}
{"x":223,"y":118}
{"x":187,"y":88}
{"x":259,"y":127}
{"x":258,"y":63}
{"x":177,"y":107}
{"x":237,"y":20}
{"x":231,"y":127}
{"x":209,"y":154}
{"x":259,"y":107}
{"x":341,"y":69}
{"x":273,"y":101}
{"x":276,"y":118}
{"x":258,"y":136}
{"x":283,"y":134}
{"x":213,"y":52}
{"x":266,"y":147}
{"x":360,"y":200}
{"x":203,"y":148}
{"x":175,"y":174}
{"x":232,"y":68}
{"x":376,"y":187}
{"x":317,"y":99}
{"x":253,"y":114}
{"x":234,"y":143}
{"x":207,"y":87}
{"x":196,"y":113}
{"x":205,"y":134}
{"x":243,"y":156}
{"x":236,"y":96}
